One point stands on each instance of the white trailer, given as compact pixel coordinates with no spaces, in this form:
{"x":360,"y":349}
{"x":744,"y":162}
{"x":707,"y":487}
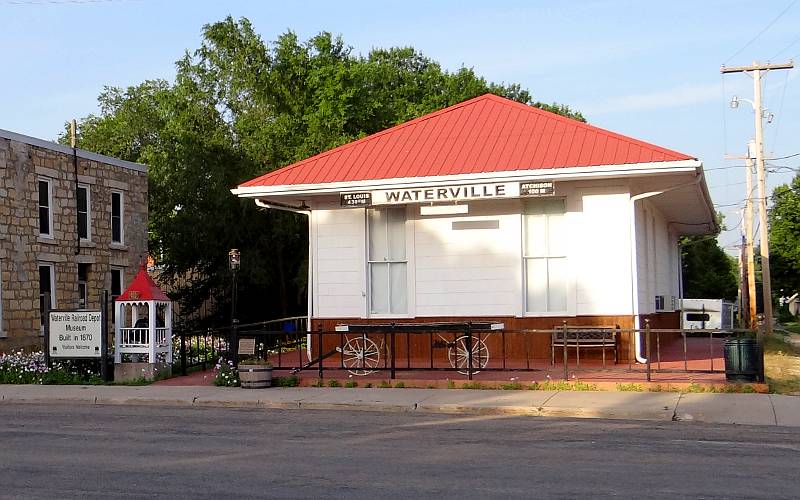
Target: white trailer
{"x":708,"y":314}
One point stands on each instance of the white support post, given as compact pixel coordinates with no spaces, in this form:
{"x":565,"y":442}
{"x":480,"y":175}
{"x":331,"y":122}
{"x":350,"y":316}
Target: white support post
{"x":151,"y":322}
{"x":118,"y":319}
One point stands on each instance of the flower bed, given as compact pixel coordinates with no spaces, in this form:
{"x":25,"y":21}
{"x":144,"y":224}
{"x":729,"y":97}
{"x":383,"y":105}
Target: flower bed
{"x":30,"y":368}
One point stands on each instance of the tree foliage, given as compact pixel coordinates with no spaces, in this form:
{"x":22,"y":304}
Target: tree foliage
{"x":708,"y":272}
{"x":240,"y":107}
{"x":784,"y":237}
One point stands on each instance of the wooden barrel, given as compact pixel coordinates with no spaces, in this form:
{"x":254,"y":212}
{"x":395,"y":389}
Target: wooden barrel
{"x":255,"y":376}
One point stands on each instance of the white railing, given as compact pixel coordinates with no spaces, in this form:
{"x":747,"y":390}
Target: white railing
{"x":134,"y":337}
{"x":161,"y":337}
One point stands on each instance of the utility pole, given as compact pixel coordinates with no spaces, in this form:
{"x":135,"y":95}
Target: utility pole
{"x":747,"y":258}
{"x":748,"y":235}
{"x":756,"y":69}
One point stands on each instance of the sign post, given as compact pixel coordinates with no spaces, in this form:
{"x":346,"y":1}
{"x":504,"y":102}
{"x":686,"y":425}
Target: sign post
{"x":46,"y":332}
{"x":104,"y":336}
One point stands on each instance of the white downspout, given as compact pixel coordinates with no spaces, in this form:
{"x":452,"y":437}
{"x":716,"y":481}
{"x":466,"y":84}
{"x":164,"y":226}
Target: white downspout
{"x":634,"y":263}
{"x":307,"y":213}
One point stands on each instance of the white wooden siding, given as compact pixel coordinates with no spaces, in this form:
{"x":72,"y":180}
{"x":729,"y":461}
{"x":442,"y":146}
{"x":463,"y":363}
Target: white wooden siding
{"x":601,"y":253}
{"x":658,"y":258}
{"x":338,"y":238}
{"x":468,"y":272}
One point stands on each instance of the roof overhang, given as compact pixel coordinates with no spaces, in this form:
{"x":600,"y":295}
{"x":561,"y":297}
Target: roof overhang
{"x":561,"y":174}
{"x":679,"y":188}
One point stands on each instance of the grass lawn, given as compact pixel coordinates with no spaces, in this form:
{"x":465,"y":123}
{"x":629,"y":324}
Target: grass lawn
{"x":782,"y":362}
{"x":792,"y":327}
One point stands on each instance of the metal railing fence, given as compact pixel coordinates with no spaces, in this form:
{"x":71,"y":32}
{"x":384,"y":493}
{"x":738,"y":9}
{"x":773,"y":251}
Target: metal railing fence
{"x":464,"y":348}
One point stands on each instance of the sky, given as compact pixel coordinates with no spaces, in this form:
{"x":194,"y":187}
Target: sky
{"x":646,"y":69}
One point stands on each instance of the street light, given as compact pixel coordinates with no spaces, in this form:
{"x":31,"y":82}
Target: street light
{"x":234,"y":263}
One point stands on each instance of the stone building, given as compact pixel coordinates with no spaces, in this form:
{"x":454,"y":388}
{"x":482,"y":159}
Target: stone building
{"x":72,"y":223}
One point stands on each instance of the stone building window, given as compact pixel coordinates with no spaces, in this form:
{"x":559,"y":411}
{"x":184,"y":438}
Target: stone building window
{"x":117,"y":217}
{"x":83,"y":287}
{"x":47,"y":284}
{"x":116,"y":283}
{"x":116,"y":286}
{"x":84,"y":213}
{"x":45,"y":208}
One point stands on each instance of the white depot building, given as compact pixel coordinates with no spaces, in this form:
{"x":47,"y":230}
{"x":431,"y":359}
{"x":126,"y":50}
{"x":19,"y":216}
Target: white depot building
{"x":494,"y":210}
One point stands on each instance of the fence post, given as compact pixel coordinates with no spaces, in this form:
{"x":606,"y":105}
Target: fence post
{"x":760,"y":337}
{"x":104,"y":336}
{"x":566,"y":368}
{"x":647,"y":345}
{"x":183,"y":353}
{"x":469,"y":350}
{"x":392,"y":350}
{"x":319,"y":342}
{"x":46,"y":323}
{"x":235,"y":346}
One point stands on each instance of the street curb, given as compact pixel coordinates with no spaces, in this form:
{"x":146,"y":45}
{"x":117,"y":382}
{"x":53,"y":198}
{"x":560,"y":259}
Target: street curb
{"x":452,"y":409}
{"x":720,"y":409}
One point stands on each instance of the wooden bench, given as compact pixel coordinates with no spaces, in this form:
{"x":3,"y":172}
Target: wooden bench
{"x":603,"y":337}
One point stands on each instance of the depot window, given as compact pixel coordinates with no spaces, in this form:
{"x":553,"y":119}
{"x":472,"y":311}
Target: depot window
{"x":388,"y":292}
{"x":545,"y":256}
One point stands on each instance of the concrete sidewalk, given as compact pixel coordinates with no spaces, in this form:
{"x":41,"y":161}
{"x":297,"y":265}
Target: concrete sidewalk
{"x":751,"y":409}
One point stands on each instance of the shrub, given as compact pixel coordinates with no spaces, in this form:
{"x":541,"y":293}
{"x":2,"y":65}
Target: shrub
{"x":225,"y":375}
{"x":30,"y":368}
{"x":290,"y":381}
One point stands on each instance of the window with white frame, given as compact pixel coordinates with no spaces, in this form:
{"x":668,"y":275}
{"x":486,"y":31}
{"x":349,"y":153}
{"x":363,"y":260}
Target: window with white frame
{"x":83,"y":285}
{"x":84,"y":213}
{"x":45,"y":208}
{"x":116,"y":286}
{"x":388,"y":265}
{"x":116,"y":283}
{"x":117,"y":217}
{"x":47,"y":284}
{"x":545,"y":256}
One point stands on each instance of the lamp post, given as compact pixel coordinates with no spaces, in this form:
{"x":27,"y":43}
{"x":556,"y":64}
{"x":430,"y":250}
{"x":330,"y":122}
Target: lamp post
{"x":234,"y":262}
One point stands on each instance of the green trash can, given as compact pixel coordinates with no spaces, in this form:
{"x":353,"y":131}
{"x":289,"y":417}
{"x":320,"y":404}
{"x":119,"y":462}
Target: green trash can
{"x":742,"y":359}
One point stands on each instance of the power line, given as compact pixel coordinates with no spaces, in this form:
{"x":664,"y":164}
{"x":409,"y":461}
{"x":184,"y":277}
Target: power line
{"x":783,"y":157}
{"x":725,"y":168}
{"x":784,"y":11}
{"x":780,"y":109}
{"x":786,"y":48}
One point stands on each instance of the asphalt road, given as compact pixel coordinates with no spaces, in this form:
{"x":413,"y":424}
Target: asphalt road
{"x":83,"y":451}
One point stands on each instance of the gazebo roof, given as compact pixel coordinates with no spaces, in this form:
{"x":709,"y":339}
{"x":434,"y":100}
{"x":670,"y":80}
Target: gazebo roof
{"x":143,"y":288}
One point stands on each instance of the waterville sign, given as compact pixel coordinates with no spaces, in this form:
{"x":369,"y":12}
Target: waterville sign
{"x":75,"y":334}
{"x":442,"y":194}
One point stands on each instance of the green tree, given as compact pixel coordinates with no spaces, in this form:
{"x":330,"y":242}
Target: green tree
{"x":784,"y":237}
{"x":240,"y":107}
{"x":708,"y":272}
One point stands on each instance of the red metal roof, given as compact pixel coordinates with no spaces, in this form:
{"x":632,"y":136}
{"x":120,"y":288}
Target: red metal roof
{"x":481,"y":135}
{"x":143,"y":288}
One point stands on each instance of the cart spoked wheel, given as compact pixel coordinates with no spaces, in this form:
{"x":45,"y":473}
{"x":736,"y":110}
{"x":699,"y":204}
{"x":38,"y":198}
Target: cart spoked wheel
{"x":360,"y":356}
{"x":457,"y":353}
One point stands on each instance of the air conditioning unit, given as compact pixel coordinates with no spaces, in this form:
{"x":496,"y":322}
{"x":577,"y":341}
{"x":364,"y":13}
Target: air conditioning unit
{"x":659,"y":302}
